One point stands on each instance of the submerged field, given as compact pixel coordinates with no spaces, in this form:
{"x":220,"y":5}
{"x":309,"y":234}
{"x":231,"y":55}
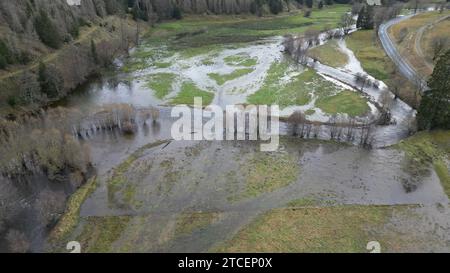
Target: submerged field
{"x":238,"y":60}
{"x":219,"y":196}
{"x":153,"y":194}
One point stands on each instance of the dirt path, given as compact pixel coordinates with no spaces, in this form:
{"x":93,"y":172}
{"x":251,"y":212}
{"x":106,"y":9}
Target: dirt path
{"x":52,"y":56}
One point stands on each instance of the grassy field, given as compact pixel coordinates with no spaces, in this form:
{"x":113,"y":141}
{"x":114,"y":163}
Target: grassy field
{"x":273,"y":91}
{"x":187,"y":223}
{"x":222,"y":79}
{"x":348,"y":102}
{"x":425,"y":150}
{"x":188,"y":92}
{"x":161,"y":83}
{"x":440,"y":29}
{"x":215,"y":31}
{"x":240,"y":60}
{"x":330,"y":98}
{"x":99,"y":233}
{"x":372,"y":57}
{"x":329,"y":54}
{"x":117,"y":183}
{"x":71,"y":216}
{"x":266,"y":173}
{"x":316,"y":229}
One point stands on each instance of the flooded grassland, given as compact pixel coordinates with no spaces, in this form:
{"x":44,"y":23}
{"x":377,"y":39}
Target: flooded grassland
{"x":152,"y":194}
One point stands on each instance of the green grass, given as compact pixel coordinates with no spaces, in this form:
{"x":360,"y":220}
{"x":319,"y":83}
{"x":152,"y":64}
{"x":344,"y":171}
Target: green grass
{"x":327,"y":229}
{"x":273,"y":91}
{"x":118,"y":181}
{"x":429,"y":149}
{"x":70,"y":218}
{"x":209,"y":60}
{"x":345,"y":102}
{"x":310,"y":112}
{"x":372,"y":57}
{"x":191,"y":52}
{"x":162,"y":65}
{"x":329,"y":54}
{"x":295,"y":92}
{"x":266,"y":173}
{"x":196,"y":35}
{"x":241,"y":60}
{"x":221,"y":79}
{"x":187,"y":223}
{"x":134,"y":65}
{"x":99,"y":233}
{"x":188,"y":92}
{"x":161,"y":83}
{"x":304,"y":202}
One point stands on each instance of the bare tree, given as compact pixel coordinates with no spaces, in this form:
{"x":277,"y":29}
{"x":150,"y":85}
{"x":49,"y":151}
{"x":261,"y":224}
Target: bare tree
{"x":312,"y":37}
{"x":297,"y":120}
{"x":385,"y":100}
{"x":396,"y":84}
{"x":333,"y":123}
{"x":363,"y":80}
{"x":155,"y":114}
{"x":366,"y":134}
{"x":346,"y":23}
{"x":289,"y":44}
{"x":420,"y":84}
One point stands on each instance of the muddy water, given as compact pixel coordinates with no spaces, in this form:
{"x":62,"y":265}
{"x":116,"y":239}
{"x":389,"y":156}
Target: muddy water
{"x":205,"y":176}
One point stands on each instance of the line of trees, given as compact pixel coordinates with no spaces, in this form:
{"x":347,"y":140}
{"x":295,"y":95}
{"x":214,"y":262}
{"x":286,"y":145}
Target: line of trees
{"x":337,"y":128}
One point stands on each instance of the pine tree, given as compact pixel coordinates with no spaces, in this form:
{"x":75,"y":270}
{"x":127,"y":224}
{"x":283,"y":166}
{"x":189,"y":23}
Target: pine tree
{"x":275,"y":6}
{"x":47,"y":31}
{"x":365,"y":18}
{"x":94,"y":52}
{"x":434,"y":110}
{"x":50,"y":81}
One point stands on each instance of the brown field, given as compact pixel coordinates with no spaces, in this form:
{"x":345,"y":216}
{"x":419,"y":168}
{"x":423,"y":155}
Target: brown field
{"x":414,"y":36}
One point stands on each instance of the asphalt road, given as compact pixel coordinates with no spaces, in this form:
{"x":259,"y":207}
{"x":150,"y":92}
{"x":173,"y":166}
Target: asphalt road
{"x":403,"y":66}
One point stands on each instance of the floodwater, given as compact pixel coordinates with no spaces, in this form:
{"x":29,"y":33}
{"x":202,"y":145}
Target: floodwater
{"x":207,"y":176}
